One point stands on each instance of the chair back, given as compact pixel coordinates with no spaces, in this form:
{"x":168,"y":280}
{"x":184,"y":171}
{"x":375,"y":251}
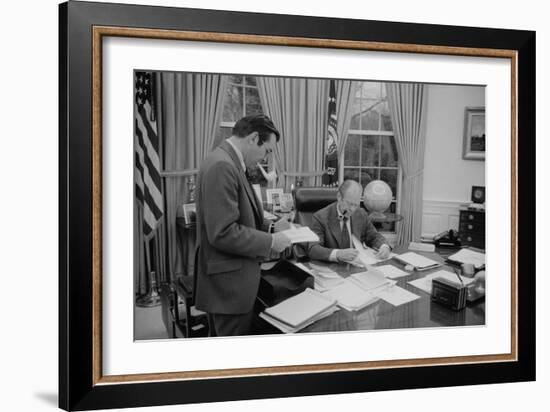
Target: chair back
{"x":311,"y":199}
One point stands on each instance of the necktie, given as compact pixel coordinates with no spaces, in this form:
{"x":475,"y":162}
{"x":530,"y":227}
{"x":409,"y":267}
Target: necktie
{"x":345,"y":234}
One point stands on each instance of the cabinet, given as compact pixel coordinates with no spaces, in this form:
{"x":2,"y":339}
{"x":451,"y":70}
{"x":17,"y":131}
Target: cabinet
{"x":472,"y":228}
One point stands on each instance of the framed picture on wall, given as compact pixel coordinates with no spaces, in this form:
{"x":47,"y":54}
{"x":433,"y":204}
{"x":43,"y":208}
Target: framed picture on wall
{"x":474,"y":134}
{"x":101,"y":365}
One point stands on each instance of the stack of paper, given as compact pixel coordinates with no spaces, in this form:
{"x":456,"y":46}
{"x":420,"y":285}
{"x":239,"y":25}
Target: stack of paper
{"x":350,"y":296}
{"x":469,"y":256}
{"x":391,"y":271}
{"x":425,"y":283}
{"x":324,"y":277}
{"x":370,"y":280}
{"x":417,"y":261}
{"x":299,"y":311}
{"x":301,"y":234}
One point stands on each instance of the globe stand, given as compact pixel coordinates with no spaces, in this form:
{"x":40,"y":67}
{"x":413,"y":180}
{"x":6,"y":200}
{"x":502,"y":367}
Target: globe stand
{"x":377,"y":215}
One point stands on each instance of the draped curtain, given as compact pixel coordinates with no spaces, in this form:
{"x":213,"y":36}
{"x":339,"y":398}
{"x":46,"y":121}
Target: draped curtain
{"x":407,"y":104}
{"x":298,"y":107}
{"x":345,"y":94}
{"x":191,"y":107}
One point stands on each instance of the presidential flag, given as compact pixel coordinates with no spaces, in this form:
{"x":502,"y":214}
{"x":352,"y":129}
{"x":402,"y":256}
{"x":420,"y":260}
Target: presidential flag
{"x":147,"y":161}
{"x":330,"y":177}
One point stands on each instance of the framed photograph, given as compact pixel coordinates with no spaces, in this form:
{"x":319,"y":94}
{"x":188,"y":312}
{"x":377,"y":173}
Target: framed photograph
{"x":474,"y":133}
{"x":478,"y":194}
{"x":274,"y":197}
{"x":190,"y":213}
{"x":121,"y":180}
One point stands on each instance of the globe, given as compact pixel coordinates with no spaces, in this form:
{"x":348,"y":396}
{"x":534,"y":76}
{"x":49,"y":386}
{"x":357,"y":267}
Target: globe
{"x":377,"y":197}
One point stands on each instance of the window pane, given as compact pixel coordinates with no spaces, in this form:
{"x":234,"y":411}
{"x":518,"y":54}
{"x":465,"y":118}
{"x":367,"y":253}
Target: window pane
{"x":369,"y":118}
{"x":386,"y":119}
{"x":351,"y":174}
{"x":371,"y":90}
{"x":389,"y":152}
{"x":250,"y":80}
{"x":235,"y":78}
{"x":368,"y":175}
{"x":355,"y":114}
{"x":233,"y":105}
{"x":221,"y":134}
{"x":351,"y":155}
{"x":369,"y":151}
{"x":390,"y":177}
{"x":253,"y":105}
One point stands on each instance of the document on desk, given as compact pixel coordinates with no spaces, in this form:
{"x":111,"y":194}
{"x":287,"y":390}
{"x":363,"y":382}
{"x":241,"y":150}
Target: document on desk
{"x":300,"y":309}
{"x":367,"y":255}
{"x":468,"y":256}
{"x":283,"y":327}
{"x":301,"y":234}
{"x":392,"y":272}
{"x":417,"y":261}
{"x":370,"y":280}
{"x":397,"y":296}
{"x":350,"y":296}
{"x":324,"y":277}
{"x":425,"y":283}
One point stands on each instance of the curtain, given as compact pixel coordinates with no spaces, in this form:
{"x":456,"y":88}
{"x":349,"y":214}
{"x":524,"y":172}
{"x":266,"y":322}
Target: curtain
{"x":345,"y":95}
{"x":298,"y":107}
{"x":191,"y":107}
{"x":407,"y":104}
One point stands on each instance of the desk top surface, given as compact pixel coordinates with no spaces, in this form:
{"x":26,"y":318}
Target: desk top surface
{"x":420,"y":313}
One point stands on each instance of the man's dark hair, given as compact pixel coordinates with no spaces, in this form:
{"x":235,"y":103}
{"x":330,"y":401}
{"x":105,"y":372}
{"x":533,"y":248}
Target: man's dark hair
{"x":256,"y":123}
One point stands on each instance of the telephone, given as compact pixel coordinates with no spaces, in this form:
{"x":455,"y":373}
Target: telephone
{"x":447,"y":238}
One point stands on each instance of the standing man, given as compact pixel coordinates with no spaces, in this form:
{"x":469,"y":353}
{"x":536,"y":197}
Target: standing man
{"x":336,"y":223}
{"x":232,"y":233}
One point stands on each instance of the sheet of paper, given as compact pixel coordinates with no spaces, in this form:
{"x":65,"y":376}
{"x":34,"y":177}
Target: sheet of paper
{"x":397,"y":296}
{"x":392,"y":272}
{"x":469,"y":256}
{"x":300,"y":308}
{"x":301,"y":234}
{"x":350,"y":296}
{"x":324,"y":277}
{"x":416,"y":260}
{"x":369,"y":280}
{"x":425,"y":283}
{"x":269,"y":216}
{"x":367,"y":255}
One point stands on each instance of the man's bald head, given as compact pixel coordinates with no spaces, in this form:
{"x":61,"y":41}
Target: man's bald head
{"x":349,"y":197}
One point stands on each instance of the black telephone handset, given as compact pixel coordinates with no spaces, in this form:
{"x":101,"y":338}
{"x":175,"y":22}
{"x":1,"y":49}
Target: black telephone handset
{"x":447,"y":238}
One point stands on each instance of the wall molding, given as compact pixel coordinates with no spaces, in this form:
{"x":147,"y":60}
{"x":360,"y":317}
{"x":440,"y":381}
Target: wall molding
{"x":439,"y":215}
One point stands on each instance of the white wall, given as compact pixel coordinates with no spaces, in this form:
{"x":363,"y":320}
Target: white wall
{"x":446,"y":175}
{"x":28,"y":169}
{"x":448,"y":179}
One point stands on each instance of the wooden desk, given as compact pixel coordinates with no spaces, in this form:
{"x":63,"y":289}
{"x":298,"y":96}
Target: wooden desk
{"x":420,"y":313}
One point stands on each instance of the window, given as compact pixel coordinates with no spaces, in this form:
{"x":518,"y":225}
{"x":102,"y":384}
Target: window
{"x":371,"y":152}
{"x":241,"y":99}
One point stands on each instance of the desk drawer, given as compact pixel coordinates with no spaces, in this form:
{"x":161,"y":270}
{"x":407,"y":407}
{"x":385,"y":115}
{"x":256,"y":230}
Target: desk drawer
{"x":467,"y":216}
{"x":472,"y":227}
{"x":471,"y":239}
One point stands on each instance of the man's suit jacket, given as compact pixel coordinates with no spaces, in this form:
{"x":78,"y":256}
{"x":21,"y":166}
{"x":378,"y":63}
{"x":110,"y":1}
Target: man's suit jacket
{"x":326,"y":225}
{"x":231,"y":234}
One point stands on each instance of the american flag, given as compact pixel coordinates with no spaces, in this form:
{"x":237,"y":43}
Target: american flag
{"x":331,"y":144}
{"x":147,"y":162}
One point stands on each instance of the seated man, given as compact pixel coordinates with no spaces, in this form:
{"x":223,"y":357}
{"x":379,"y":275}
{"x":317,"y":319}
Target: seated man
{"x":335,"y":223}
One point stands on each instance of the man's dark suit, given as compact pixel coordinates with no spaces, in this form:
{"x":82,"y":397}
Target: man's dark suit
{"x":231,"y":233}
{"x":326,"y":225}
